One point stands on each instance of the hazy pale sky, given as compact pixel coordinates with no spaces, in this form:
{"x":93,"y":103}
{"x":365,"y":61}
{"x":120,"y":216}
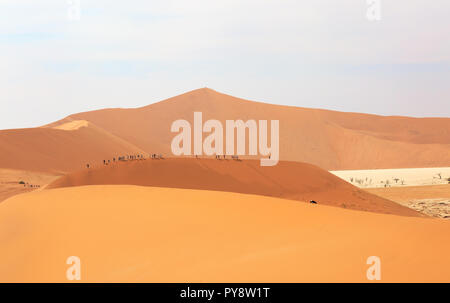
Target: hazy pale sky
{"x":316,"y":53}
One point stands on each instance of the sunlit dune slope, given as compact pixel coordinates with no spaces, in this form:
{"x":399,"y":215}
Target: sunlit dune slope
{"x":73,"y":125}
{"x":291,"y":180}
{"x":144,"y":234}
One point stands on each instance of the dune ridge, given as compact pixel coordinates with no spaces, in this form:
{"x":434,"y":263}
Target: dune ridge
{"x":74,"y":125}
{"x":289,"y":180}
{"x":329,"y":139}
{"x":53,"y":150}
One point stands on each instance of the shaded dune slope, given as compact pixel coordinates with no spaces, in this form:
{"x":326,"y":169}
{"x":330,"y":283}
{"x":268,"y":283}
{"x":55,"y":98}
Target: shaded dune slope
{"x":289,"y":180}
{"x":59,"y":151}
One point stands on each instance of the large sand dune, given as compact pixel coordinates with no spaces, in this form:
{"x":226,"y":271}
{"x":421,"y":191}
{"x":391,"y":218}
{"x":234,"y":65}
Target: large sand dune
{"x":208,"y":220}
{"x":135,"y":234}
{"x":290,"y":180}
{"x":329,"y":139}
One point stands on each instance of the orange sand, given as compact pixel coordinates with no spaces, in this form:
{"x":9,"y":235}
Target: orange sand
{"x":10,"y":182}
{"x":290,"y":180}
{"x":129,"y":234}
{"x":58,"y":151}
{"x":331,"y":140}
{"x":73,"y":125}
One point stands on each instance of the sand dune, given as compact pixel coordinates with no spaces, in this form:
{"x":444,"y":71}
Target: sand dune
{"x":74,"y":125}
{"x":329,"y":139}
{"x":290,"y":180}
{"x":208,"y":220}
{"x":14,"y":182}
{"x":58,"y":151}
{"x":136,"y":234}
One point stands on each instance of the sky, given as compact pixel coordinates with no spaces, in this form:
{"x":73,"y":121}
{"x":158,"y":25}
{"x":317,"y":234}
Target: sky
{"x":60,"y":57}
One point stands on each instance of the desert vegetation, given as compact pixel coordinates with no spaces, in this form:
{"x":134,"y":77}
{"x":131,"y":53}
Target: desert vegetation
{"x":395,"y":177}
